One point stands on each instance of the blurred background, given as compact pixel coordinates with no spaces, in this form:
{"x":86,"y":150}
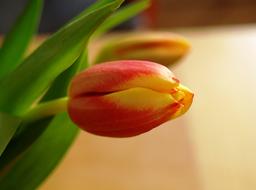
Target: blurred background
{"x":162,"y":13}
{"x":212,"y":147}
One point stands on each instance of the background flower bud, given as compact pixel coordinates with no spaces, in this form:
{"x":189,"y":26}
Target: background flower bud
{"x":126,"y":98}
{"x":159,"y":47}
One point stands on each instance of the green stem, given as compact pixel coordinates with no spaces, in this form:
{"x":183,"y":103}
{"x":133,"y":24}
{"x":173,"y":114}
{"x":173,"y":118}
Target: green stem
{"x":46,"y":109}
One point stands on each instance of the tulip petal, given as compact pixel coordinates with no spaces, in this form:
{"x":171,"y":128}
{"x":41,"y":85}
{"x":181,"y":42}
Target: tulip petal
{"x":140,"y":99}
{"x":186,"y":100}
{"x":121,"y":75}
{"x":122,"y":114}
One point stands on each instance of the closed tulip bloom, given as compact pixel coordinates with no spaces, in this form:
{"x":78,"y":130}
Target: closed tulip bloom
{"x":126,"y":98}
{"x":159,"y":47}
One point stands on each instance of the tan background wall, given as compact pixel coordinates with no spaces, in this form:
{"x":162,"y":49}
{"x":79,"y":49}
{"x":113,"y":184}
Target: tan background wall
{"x":181,"y":13}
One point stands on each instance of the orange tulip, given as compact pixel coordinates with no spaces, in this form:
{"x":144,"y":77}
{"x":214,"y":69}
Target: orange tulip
{"x":160,"y":47}
{"x":126,"y":98}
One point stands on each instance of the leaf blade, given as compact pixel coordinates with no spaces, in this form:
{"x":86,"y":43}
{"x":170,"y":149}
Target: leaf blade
{"x":42,"y":156}
{"x":60,"y":85}
{"x":8,"y":126}
{"x":122,"y":15}
{"x":17,"y":40}
{"x":24,"y":137}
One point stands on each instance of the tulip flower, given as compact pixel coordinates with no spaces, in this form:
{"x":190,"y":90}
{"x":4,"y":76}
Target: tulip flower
{"x":120,"y":99}
{"x":126,"y":98}
{"x":162,"y":48}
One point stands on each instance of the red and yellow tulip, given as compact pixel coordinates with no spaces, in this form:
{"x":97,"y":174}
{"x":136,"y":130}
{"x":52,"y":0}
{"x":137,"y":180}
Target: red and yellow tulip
{"x":126,"y":98}
{"x":160,"y":47}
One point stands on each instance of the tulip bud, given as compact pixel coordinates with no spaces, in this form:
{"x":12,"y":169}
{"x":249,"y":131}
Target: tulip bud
{"x":126,"y":98}
{"x":162,"y":48}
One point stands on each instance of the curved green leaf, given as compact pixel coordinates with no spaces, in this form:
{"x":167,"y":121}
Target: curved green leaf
{"x":17,"y":40}
{"x":60,"y":85}
{"x":41,"y":158}
{"x":122,"y":15}
{"x":27,"y":135}
{"x":7,"y":132}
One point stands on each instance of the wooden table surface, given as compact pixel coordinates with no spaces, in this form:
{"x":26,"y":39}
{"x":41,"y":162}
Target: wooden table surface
{"x":213,"y":147}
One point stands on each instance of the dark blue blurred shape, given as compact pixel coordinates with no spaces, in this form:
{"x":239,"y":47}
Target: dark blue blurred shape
{"x":55,"y":13}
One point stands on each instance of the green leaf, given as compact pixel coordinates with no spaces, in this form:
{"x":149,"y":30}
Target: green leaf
{"x":17,"y":40}
{"x":22,"y":87}
{"x":41,"y":158}
{"x":122,"y":15}
{"x":25,"y":136}
{"x":28,"y":133}
{"x":60,"y":85}
{"x":8,"y":125}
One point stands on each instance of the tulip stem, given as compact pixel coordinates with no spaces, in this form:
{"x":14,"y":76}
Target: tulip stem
{"x":46,"y":109}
